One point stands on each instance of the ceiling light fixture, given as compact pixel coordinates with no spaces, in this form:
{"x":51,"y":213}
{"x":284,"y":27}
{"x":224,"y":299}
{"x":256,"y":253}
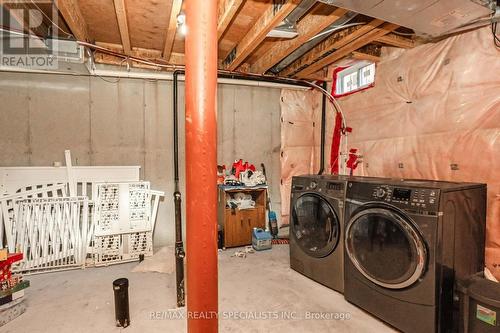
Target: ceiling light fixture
{"x":181,"y":23}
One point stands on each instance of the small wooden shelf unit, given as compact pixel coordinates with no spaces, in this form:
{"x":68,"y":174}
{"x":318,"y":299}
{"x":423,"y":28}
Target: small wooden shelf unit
{"x":237,"y":224}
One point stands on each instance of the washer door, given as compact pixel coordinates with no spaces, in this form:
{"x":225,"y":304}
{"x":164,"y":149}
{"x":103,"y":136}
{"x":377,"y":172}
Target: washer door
{"x":385,"y":247}
{"x":315,"y":225}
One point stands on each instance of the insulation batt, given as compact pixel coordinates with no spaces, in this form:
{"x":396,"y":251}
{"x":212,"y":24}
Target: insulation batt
{"x":432,"y":106}
{"x":301,"y":139}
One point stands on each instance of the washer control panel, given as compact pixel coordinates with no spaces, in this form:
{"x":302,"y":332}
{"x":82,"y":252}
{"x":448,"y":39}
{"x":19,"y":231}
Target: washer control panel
{"x":406,"y":197}
{"x":326,"y":186}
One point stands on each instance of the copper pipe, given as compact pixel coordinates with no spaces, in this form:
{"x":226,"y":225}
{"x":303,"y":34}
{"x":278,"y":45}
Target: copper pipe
{"x":201,"y":166}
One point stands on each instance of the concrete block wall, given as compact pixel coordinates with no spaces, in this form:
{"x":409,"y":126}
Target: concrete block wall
{"x":107,"y":121}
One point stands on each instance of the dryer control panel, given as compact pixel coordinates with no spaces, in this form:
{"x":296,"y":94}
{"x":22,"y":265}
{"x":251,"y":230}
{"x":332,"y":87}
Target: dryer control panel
{"x":406,"y":197}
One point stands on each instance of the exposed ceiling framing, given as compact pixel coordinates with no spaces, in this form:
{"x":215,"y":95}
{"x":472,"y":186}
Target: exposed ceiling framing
{"x":72,"y":14}
{"x":121,"y":15}
{"x":148,"y":29}
{"x":352,"y":46}
{"x":227,"y":11}
{"x":172,"y":28}
{"x":307,"y":28}
{"x":270,"y":19}
{"x":332,"y":43}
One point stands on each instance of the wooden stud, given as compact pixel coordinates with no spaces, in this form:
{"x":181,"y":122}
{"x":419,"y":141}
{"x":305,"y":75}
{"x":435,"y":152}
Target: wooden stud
{"x":227,"y":11}
{"x":172,"y":28}
{"x":307,"y":28}
{"x":352,"y":46}
{"x":334,"y":42}
{"x":398,"y":41}
{"x":121,"y":15}
{"x":268,"y":21}
{"x":71,"y":13}
{"x":365,"y":56}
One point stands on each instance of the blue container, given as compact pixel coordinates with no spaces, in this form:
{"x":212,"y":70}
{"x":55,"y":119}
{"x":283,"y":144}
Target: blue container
{"x":261,"y":239}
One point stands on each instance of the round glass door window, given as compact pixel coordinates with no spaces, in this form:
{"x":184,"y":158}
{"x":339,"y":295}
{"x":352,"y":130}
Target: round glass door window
{"x":385,"y":247}
{"x":315,"y":225}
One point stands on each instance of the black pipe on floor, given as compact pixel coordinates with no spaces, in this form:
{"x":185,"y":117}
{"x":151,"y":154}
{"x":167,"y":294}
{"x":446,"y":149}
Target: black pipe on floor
{"x":122,"y":313}
{"x":179,"y":245}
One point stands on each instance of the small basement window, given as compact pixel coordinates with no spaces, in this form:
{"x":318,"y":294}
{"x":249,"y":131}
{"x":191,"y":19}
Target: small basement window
{"x":348,"y":80}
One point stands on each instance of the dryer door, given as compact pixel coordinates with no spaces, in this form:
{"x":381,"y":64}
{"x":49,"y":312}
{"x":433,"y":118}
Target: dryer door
{"x":385,"y":247}
{"x":315,"y":225}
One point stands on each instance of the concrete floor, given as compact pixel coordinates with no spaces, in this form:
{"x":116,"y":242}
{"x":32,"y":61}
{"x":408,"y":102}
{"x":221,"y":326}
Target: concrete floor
{"x":82,"y":301}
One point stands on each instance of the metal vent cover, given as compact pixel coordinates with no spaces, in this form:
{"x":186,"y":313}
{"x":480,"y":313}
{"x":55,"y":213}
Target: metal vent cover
{"x":427,"y":17}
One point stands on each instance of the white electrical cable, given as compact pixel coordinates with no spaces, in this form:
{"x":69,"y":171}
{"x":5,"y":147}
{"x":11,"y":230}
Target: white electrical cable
{"x":340,"y":27}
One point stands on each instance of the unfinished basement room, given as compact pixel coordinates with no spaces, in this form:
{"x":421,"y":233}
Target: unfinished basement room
{"x":253,"y":166}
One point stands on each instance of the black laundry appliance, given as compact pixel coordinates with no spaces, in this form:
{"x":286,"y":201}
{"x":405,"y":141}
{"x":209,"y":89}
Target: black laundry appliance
{"x":406,"y":241}
{"x":316,"y":228}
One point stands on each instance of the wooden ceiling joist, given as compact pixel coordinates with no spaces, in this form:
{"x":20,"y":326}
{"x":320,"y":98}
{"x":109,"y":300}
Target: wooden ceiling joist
{"x":307,"y":28}
{"x":268,"y":21}
{"x":172,"y":28}
{"x":227,"y":11}
{"x":72,"y":14}
{"x":150,"y":54}
{"x":365,"y":56}
{"x":351,"y":47}
{"x":121,"y":15}
{"x":332,"y":43}
{"x":397,"y":41}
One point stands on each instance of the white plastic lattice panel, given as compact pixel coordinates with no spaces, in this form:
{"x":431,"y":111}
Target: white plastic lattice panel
{"x":51,"y":233}
{"x":8,"y":207}
{"x":14,"y":178}
{"x":115,"y":249}
{"x":122,"y":208}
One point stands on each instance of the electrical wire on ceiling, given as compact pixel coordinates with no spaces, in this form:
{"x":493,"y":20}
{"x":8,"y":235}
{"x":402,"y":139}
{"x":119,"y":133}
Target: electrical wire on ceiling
{"x":496,"y":39}
{"x":403,"y":33}
{"x":340,"y":27}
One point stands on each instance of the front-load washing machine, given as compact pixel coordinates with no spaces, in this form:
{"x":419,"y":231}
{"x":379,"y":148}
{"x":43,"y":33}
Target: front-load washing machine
{"x":406,"y":241}
{"x":316,"y":228}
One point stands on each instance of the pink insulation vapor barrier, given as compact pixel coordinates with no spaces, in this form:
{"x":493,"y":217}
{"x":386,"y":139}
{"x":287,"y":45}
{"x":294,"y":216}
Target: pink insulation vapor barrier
{"x":301,"y":139}
{"x":434,"y":113}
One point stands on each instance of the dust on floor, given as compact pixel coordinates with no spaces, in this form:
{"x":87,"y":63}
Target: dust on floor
{"x":256,"y":289}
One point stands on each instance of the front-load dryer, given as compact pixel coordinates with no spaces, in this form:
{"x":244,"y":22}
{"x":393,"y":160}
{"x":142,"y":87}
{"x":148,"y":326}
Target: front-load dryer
{"x":406,"y":241}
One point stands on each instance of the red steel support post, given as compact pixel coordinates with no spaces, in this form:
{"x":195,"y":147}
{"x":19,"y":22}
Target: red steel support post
{"x":201,"y":165}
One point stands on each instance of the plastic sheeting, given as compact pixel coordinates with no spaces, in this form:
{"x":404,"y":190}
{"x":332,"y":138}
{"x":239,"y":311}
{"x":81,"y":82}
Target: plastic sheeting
{"x":433,"y":114}
{"x":301,"y":139}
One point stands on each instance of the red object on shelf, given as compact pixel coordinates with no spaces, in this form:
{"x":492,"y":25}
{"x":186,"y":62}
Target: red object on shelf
{"x":239,"y":167}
